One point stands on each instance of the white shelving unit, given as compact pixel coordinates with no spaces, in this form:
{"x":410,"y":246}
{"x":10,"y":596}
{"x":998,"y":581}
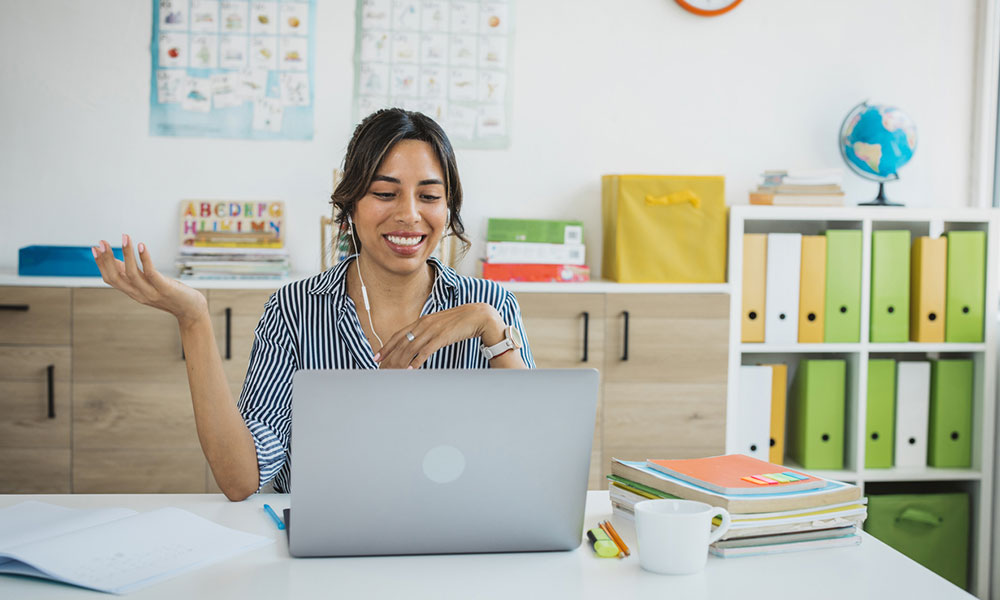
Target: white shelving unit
{"x":977,"y":480}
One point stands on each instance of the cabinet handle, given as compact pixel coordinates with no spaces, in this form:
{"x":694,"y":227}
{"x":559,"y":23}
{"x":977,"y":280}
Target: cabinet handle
{"x":52,"y":392}
{"x":15,"y":307}
{"x":586,"y":335}
{"x":229,"y":337}
{"x":625,"y":345}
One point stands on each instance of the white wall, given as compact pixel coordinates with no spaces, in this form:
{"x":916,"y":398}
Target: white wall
{"x":599,"y":87}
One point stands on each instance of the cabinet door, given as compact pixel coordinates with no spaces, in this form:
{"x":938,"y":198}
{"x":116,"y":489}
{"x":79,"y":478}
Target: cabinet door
{"x":566,"y":331}
{"x":665,"y":375}
{"x":235,"y":314}
{"x":117,"y":339}
{"x":35,"y":428}
{"x":34,"y":315}
{"x":133,"y":424}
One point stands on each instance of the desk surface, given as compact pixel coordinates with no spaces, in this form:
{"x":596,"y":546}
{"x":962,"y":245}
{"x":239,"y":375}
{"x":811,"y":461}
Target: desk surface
{"x":871,"y":570}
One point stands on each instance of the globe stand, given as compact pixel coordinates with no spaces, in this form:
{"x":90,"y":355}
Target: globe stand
{"x":880,"y":200}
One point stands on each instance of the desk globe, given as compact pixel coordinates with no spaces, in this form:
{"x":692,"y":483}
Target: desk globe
{"x":875,"y":141}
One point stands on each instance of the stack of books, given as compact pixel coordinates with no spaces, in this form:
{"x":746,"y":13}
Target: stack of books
{"x":232,"y":240}
{"x":800,"y":188}
{"x":535,"y":250}
{"x":774,"y":509}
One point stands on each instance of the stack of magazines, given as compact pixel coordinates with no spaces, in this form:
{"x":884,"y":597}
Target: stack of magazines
{"x":232,"y":240}
{"x":774,"y":509}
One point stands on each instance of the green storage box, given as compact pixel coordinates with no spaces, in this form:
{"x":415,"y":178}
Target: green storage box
{"x":932,"y":529}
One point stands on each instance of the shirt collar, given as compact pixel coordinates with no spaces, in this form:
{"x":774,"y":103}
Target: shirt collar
{"x":333,"y":281}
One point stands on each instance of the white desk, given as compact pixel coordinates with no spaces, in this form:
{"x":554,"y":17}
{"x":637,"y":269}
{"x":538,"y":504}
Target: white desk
{"x":872,"y":570}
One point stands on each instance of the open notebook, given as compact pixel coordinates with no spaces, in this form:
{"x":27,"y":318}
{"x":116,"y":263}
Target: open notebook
{"x":115,"y":550}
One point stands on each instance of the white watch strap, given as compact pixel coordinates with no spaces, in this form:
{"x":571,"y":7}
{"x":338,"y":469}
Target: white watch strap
{"x":495,"y":350}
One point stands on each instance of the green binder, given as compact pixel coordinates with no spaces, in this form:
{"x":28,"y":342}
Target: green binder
{"x":816,"y":414}
{"x":880,"y":416}
{"x":843,"y":286}
{"x":890,"y":306}
{"x":932,"y":529}
{"x":949,"y":440}
{"x":966,"y":286}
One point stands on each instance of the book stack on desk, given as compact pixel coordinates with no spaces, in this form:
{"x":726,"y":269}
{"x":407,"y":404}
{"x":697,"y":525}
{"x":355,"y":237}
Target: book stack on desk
{"x":535,"y":250}
{"x":774,"y":509}
{"x":232,"y":240}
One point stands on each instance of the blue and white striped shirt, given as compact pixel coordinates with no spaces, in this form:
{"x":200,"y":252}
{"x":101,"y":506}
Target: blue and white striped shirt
{"x":313,"y":324}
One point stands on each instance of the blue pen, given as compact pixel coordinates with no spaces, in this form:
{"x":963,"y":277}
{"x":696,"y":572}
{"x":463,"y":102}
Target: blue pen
{"x":274,"y":516}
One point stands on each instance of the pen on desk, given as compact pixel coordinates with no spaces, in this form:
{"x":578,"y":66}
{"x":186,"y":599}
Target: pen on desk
{"x":604,"y":527}
{"x":617,"y":538}
{"x":274,"y":516}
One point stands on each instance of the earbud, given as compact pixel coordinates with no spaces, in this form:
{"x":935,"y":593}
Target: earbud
{"x":364,"y":290}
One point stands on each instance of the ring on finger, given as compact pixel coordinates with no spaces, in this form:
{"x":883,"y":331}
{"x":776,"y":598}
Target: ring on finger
{"x":410,"y":337}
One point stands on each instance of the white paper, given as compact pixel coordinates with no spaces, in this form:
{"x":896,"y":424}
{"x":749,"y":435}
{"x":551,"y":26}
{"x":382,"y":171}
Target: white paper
{"x":113,"y":550}
{"x":252,"y":83}
{"x":204,"y":51}
{"x":267,"y":114}
{"x":295,"y":89}
{"x":225,"y":90}
{"x":235,"y":17}
{"x":233,"y":51}
{"x":173,"y":50}
{"x":293,"y":53}
{"x":294,"y":19}
{"x":169,"y":84}
{"x":197,"y":94}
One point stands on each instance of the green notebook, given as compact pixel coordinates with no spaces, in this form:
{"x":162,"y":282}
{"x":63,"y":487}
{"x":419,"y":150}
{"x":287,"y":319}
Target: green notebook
{"x":816,"y":414}
{"x":535,"y":231}
{"x":843,"y":286}
{"x":949,"y":440}
{"x":880,"y":416}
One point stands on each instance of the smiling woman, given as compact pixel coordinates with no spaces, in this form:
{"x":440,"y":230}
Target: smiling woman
{"x":400,"y":194}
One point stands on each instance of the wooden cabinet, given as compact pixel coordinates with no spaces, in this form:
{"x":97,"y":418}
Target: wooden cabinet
{"x":35,"y":362}
{"x":235,"y":314}
{"x":133,"y":424}
{"x":663,"y":359}
{"x":566,"y":331}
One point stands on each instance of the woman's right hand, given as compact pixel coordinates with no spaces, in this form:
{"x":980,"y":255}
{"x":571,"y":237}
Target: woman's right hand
{"x":147,"y":285}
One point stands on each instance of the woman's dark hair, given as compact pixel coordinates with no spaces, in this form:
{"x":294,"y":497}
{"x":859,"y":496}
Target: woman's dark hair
{"x":372,"y":139}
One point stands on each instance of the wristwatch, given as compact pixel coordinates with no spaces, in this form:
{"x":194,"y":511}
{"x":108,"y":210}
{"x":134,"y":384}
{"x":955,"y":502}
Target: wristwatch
{"x":511,"y":341}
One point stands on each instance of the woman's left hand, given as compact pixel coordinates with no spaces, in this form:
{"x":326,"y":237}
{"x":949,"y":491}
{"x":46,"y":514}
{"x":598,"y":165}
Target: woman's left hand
{"x":432,"y":332}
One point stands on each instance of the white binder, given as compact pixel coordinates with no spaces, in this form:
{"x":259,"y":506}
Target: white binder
{"x":913,"y":386}
{"x":754,"y":413}
{"x":781,"y":310}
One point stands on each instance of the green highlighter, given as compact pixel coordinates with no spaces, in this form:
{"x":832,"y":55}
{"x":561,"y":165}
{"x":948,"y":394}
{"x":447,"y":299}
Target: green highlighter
{"x":603,"y":545}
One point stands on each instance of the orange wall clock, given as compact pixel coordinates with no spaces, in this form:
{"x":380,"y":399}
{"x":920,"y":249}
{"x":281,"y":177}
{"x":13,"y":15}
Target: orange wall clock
{"x":708,"y":8}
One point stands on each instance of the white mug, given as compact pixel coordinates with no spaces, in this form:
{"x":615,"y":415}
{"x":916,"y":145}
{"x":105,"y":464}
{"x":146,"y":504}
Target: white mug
{"x":674,"y":535}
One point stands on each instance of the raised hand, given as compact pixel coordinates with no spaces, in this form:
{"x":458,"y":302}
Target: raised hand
{"x":146,"y":284}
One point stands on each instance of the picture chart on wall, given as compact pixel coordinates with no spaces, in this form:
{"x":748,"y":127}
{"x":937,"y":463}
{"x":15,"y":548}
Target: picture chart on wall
{"x":447,"y":59}
{"x":233,"y":69}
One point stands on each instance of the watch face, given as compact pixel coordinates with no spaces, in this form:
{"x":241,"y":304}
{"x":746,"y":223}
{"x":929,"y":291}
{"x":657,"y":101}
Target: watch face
{"x":515,"y":336}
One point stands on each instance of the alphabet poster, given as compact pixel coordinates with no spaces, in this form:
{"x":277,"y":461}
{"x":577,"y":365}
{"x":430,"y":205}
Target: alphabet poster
{"x":448,"y":59}
{"x":233,"y":69}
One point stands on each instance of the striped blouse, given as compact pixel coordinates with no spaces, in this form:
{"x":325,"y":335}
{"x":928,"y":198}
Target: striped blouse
{"x":313,"y":324}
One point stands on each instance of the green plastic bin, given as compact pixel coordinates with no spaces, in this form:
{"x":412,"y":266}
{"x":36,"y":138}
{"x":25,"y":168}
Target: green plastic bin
{"x":932,"y":529}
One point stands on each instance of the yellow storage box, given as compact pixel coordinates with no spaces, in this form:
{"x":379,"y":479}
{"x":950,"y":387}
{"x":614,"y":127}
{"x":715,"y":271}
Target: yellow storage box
{"x":664,"y":228}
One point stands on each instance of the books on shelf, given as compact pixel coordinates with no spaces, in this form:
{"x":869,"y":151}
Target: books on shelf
{"x":232,"y":240}
{"x":819,"y":187}
{"x":535,"y":250}
{"x":774,"y":520}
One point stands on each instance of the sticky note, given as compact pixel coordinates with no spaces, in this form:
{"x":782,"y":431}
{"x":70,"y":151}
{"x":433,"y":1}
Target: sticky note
{"x":753,"y":480}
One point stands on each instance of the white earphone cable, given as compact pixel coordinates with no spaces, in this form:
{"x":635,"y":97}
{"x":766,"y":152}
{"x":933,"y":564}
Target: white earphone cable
{"x":364,"y":290}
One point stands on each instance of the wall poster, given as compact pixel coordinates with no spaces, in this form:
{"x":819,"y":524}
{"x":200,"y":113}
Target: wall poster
{"x":233,"y":69}
{"x":448,"y":59}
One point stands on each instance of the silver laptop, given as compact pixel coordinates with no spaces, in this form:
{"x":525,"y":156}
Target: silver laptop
{"x":439,"y":461}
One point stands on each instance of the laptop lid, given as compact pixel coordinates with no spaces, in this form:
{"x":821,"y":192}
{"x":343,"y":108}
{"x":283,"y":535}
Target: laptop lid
{"x":439,"y":461}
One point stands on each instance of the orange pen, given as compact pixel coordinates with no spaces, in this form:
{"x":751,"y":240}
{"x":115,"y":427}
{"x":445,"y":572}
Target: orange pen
{"x":617,"y":538}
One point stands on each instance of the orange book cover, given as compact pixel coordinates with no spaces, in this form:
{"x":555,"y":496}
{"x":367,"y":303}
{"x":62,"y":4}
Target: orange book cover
{"x":737,"y":474}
